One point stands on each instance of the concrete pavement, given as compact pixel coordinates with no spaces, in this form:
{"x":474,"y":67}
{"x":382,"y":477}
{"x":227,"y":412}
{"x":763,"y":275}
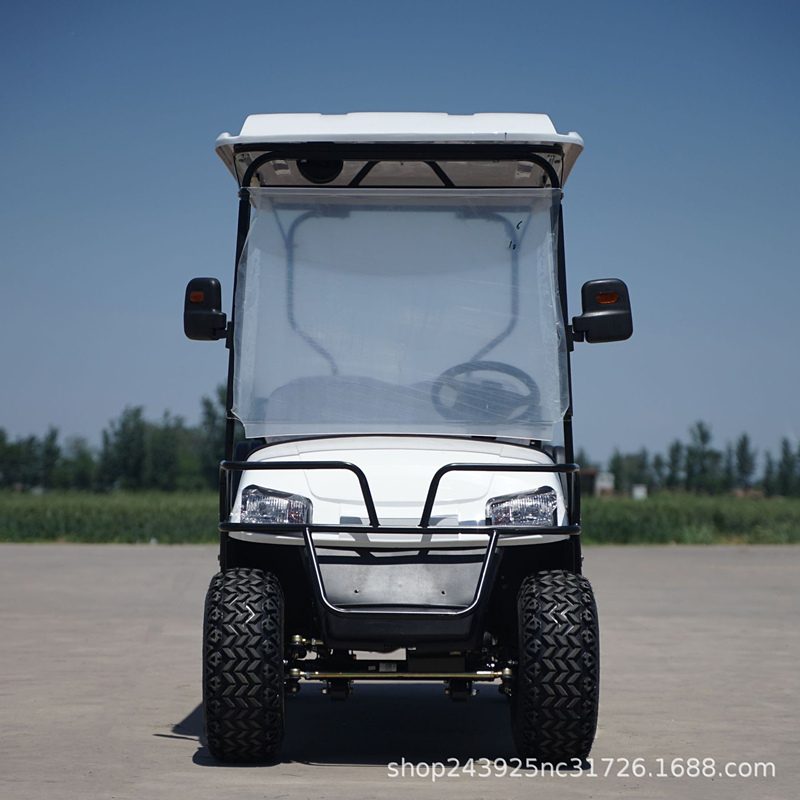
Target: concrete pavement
{"x":100,"y":688}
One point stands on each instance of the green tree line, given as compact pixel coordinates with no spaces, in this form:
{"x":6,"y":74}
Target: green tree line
{"x":697,"y":466}
{"x":167,"y":455}
{"x":135,"y":454}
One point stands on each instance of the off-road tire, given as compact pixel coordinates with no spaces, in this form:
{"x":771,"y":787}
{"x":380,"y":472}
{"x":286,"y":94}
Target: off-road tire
{"x":243,"y":689}
{"x":555,"y":696}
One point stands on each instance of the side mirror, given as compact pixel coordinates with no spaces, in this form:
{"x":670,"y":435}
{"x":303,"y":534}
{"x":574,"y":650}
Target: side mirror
{"x":203,"y":319}
{"x":606,"y":312}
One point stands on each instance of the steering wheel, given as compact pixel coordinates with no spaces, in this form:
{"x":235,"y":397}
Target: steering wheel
{"x":457,"y":398}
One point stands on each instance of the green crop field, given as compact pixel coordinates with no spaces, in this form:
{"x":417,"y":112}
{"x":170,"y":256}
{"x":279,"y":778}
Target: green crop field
{"x":691,"y":519}
{"x":173,"y":518}
{"x":168,"y":517}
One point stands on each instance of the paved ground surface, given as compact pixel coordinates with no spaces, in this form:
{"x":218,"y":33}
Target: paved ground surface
{"x":100,"y":677}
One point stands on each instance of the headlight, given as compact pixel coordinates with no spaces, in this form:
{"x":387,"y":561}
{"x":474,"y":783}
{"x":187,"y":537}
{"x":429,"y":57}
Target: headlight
{"x":530,"y":508}
{"x":270,"y":507}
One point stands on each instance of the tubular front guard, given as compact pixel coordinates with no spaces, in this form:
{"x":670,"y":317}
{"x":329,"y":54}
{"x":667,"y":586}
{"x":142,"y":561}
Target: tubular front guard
{"x":384,"y":619}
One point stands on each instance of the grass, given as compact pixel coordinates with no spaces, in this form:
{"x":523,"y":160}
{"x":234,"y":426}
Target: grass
{"x":170,"y":518}
{"x":178,"y":518}
{"x":691,"y":519}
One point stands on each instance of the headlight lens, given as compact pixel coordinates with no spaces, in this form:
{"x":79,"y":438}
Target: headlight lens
{"x":530,"y":508}
{"x":268,"y":506}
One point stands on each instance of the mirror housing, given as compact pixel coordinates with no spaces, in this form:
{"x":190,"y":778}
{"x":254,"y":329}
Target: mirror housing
{"x":606,"y":313}
{"x":203,"y":319}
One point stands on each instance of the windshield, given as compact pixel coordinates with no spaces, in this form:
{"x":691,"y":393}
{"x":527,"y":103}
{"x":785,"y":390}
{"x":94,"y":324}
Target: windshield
{"x":406,"y":311}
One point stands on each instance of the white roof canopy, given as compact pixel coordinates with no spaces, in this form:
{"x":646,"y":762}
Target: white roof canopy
{"x":401,"y":128}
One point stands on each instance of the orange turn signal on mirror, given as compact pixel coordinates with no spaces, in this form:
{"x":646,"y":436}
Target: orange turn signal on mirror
{"x":197,"y":297}
{"x":606,"y":298}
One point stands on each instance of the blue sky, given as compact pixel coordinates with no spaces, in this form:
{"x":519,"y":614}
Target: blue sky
{"x":111,"y":196}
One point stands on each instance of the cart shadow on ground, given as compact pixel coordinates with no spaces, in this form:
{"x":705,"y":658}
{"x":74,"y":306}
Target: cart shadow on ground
{"x":378,"y":725}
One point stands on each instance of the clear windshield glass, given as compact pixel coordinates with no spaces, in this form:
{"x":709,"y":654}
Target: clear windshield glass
{"x":400,"y":311}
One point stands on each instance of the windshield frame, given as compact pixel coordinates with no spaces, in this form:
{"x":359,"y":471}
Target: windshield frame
{"x":258,"y":153}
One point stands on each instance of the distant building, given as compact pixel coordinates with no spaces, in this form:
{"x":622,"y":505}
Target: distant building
{"x":604,"y":484}
{"x":596,"y":483}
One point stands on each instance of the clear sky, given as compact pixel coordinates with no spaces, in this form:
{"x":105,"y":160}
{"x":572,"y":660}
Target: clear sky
{"x":111,"y":196}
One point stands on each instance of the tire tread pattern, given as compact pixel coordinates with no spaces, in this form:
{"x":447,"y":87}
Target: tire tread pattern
{"x":243,"y":674}
{"x":554,"y":705}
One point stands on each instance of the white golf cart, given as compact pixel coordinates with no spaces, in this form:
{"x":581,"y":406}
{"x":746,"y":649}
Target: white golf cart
{"x":400,"y":361}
